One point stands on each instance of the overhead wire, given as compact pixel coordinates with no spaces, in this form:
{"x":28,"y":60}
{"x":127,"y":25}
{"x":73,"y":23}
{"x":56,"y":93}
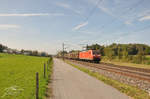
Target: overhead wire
{"x":138,"y":30}
{"x":127,"y":11}
{"x":93,"y":10}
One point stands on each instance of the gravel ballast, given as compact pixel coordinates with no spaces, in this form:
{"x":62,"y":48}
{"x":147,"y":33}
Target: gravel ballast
{"x":144,"y":85}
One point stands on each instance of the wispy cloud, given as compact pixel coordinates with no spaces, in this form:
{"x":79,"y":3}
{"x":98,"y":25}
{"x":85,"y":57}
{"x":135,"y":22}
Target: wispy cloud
{"x":67,"y":6}
{"x":80,"y":25}
{"x":8,"y":26}
{"x":30,"y":14}
{"x":128,"y":22}
{"x":64,"y":5}
{"x":102,"y":5}
{"x":147,"y":17}
{"x":105,"y":10}
{"x":116,"y":10}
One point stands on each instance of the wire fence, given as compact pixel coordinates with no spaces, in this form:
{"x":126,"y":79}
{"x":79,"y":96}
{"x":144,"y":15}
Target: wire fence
{"x":45,"y":69}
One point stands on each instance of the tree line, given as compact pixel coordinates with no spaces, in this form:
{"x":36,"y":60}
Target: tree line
{"x":2,"y":47}
{"x":127,"y":52}
{"x":5,"y":49}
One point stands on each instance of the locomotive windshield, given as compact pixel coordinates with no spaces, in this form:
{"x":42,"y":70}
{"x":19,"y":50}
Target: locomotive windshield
{"x":96,"y":53}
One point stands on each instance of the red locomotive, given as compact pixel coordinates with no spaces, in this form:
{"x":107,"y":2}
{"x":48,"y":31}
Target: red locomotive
{"x":90,"y":55}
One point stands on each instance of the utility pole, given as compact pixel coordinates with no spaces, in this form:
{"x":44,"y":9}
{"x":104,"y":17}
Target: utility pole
{"x":87,"y":47}
{"x":63,"y":51}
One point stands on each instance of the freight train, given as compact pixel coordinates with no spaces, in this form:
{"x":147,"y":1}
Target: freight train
{"x":89,"y":55}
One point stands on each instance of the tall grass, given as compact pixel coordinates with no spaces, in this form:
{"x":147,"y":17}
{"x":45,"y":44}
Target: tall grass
{"x":130,"y":61}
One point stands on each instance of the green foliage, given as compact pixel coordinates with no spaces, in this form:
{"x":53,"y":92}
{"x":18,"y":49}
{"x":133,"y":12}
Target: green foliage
{"x":2,"y":47}
{"x":126,"y":52}
{"x":119,"y":53}
{"x":131,"y":49}
{"x":17,"y":76}
{"x":109,"y":53}
{"x":96,"y":47}
{"x":147,"y":50}
{"x":140,"y":57}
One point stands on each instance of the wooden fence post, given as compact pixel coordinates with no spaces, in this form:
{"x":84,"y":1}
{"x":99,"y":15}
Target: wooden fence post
{"x":44,"y":71}
{"x":47,"y":65}
{"x":37,"y":85}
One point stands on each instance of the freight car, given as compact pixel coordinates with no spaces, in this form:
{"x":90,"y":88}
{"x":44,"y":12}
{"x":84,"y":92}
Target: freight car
{"x":90,"y":55}
{"x":72,"y":55}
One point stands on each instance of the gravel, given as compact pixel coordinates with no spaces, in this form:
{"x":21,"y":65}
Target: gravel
{"x":144,"y":85}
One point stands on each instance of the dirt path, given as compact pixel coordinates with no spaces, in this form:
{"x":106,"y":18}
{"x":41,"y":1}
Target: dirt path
{"x":70,"y":83}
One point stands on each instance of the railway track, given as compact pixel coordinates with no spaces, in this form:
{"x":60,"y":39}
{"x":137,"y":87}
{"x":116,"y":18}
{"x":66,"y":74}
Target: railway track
{"x":127,"y":67}
{"x":139,"y":73}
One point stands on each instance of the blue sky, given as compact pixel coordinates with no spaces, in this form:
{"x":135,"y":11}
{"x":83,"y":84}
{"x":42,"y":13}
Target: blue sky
{"x":45,"y":24}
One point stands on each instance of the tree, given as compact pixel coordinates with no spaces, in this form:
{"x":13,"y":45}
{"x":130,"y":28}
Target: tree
{"x":140,"y":56}
{"x":102,"y":50}
{"x":2,"y":47}
{"x":35,"y":53}
{"x":125,"y":52}
{"x":147,"y":51}
{"x":109,"y":53}
{"x":119,"y":53}
{"x":22,"y":51}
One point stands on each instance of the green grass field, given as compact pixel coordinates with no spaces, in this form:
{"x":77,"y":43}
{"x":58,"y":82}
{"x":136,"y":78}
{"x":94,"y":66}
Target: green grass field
{"x":17,"y":76}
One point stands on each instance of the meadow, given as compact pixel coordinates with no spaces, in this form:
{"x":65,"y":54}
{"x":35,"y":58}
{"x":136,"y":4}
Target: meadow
{"x":17,"y":76}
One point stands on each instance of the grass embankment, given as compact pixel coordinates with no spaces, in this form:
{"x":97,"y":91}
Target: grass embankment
{"x":124,"y":88}
{"x":126,"y":63}
{"x":17,"y":76}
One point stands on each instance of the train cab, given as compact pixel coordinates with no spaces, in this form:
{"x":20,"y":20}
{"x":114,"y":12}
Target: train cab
{"x":96,"y":55}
